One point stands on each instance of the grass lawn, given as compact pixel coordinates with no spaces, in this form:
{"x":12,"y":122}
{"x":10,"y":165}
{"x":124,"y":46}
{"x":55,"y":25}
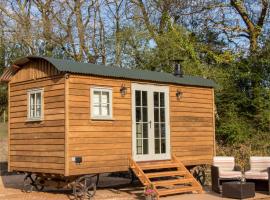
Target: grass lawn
{"x":3,"y":130}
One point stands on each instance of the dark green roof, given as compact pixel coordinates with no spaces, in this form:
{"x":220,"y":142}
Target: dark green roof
{"x":111,"y":71}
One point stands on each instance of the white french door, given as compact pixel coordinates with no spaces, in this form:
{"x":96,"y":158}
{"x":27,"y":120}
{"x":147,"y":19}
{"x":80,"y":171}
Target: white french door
{"x":150,"y":122}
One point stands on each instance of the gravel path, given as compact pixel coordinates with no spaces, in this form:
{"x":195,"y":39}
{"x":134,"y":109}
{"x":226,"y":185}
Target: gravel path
{"x":110,"y":188}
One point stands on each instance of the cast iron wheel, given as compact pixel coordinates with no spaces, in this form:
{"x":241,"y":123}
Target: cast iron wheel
{"x":29,"y":183}
{"x":132,"y":176}
{"x":84,"y":188}
{"x":199,"y":173}
{"x":39,"y":183}
{"x":97,"y":180}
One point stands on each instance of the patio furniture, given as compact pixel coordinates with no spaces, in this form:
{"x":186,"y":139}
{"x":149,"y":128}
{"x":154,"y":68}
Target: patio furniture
{"x":224,"y":170}
{"x":238,"y":190}
{"x":259,"y":173}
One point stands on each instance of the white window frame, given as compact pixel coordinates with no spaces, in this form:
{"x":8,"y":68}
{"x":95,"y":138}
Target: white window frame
{"x":35,"y":91}
{"x":101,"y":89}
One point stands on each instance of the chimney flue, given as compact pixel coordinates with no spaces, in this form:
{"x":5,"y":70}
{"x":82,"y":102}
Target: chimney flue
{"x":177,"y":68}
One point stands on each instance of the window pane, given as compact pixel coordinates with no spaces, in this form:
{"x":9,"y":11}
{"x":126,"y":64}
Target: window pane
{"x":156,"y":99}
{"x":105,"y":110}
{"x":145,"y":146}
{"x":157,"y":145}
{"x":144,"y":98}
{"x":96,"y":97}
{"x":138,"y":97}
{"x":145,"y":130}
{"x":96,"y":111}
{"x":38,"y":111}
{"x":163,"y":146}
{"x":162,"y":114}
{"x":38,"y":98}
{"x":162,"y":99}
{"x":32,"y":111}
{"x":145,"y":115}
{"x":139,"y":130}
{"x":32,"y":99}
{"x":138,"y":114}
{"x":105,"y":97}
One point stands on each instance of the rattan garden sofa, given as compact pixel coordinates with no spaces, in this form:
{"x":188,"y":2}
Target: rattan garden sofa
{"x":222,"y":170}
{"x":259,"y":173}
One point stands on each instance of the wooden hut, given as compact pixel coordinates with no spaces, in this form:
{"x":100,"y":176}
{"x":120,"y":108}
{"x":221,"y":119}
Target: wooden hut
{"x":71,"y":118}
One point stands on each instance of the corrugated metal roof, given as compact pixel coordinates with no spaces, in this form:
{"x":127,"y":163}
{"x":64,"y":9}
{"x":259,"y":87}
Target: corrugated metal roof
{"x":110,"y":71}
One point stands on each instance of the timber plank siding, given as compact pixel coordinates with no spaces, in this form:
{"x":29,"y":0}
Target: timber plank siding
{"x":37,"y":146}
{"x":110,"y":140}
{"x":67,"y":129}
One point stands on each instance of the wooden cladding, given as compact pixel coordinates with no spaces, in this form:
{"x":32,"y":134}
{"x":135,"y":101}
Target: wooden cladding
{"x":37,"y":146}
{"x":192,"y":127}
{"x":103,"y":144}
{"x":35,"y":69}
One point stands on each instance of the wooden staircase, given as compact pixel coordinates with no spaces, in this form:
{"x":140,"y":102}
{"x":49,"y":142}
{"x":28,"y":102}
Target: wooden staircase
{"x":166,"y":177}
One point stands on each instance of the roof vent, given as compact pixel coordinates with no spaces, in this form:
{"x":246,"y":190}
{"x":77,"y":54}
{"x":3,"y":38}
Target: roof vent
{"x":177,"y":68}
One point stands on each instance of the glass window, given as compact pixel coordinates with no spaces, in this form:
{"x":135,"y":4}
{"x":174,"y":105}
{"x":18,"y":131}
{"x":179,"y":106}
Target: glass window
{"x":101,"y":103}
{"x":35,"y":100}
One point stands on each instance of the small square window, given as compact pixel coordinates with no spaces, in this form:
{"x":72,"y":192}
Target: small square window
{"x":101,"y":103}
{"x":35,"y":104}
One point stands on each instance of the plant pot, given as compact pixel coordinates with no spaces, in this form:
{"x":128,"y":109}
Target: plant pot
{"x":149,"y":198}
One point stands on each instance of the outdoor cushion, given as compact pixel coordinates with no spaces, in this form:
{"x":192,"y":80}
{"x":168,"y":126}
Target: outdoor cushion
{"x":224,"y":163}
{"x":259,"y":163}
{"x":256,"y":175}
{"x":230,"y":174}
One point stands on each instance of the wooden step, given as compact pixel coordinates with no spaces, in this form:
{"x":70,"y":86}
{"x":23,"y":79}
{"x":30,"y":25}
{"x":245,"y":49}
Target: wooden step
{"x":172,"y":182}
{"x":159,"y":166}
{"x":163,"y":192}
{"x":165,"y":174}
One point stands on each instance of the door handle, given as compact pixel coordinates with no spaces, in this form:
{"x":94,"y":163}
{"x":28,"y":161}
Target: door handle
{"x":150,"y":123}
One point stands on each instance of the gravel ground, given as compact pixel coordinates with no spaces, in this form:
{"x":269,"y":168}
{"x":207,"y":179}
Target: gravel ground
{"x":110,"y":188}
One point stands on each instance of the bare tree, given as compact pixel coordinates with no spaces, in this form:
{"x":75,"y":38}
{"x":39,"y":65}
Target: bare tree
{"x":253,"y":28}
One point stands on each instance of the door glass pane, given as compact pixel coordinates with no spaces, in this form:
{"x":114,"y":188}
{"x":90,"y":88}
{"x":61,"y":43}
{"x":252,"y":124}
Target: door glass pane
{"x":163,"y":146}
{"x":145,"y":114}
{"x":138,"y":114}
{"x":139,"y":130}
{"x":156,"y":114}
{"x":138,"y":97}
{"x":145,"y":130}
{"x":157,"y":146}
{"x":159,"y":120}
{"x":157,"y":135}
{"x":139,"y":146}
{"x":162,"y":114}
{"x":162,"y":99}
{"x":144,"y":98}
{"x":156,"y":99}
{"x":142,"y":132}
{"x":145,"y":146}
{"x":163,"y":130}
